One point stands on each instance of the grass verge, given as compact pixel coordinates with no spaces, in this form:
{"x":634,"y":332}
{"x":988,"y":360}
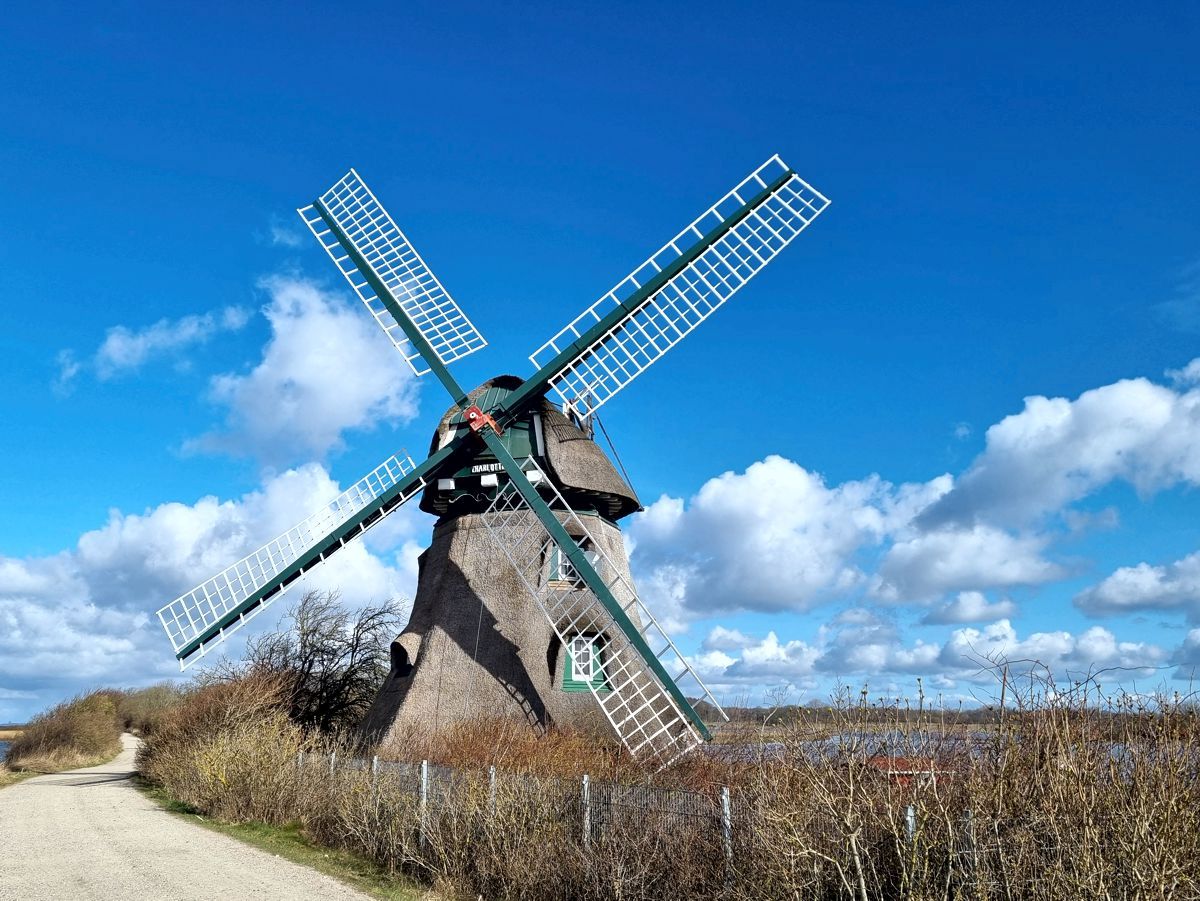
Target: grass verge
{"x":12,"y":777}
{"x":290,"y":843}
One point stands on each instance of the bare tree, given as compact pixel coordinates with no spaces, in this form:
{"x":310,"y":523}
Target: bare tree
{"x":333,"y":659}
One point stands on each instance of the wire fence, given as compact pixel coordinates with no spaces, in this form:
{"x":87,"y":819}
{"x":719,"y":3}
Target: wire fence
{"x":965,"y":855}
{"x":595,"y":808}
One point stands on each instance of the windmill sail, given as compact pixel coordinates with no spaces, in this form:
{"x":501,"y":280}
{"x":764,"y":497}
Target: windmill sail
{"x":388,"y":274}
{"x":647,"y":709}
{"x":654,"y":307}
{"x":209,"y":612}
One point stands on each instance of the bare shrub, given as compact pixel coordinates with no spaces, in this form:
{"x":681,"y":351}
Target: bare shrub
{"x":331,"y":660}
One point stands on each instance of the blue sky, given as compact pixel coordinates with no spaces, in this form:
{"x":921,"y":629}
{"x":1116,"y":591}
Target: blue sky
{"x":1014,"y":217}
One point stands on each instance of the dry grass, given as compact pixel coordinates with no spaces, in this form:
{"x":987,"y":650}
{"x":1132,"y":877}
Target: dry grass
{"x":77,"y":733}
{"x":10,"y":777}
{"x":1066,"y":795}
{"x":10,"y":734}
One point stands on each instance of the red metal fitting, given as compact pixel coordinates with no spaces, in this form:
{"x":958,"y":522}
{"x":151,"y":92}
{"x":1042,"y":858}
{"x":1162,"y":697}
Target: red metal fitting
{"x":477,"y":419}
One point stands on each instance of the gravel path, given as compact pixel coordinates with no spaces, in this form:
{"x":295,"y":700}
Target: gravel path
{"x":89,"y":834}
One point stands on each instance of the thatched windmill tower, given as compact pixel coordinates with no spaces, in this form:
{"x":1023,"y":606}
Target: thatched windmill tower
{"x":476,"y":644}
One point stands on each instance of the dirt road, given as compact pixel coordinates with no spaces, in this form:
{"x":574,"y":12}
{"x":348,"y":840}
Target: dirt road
{"x":89,"y":834}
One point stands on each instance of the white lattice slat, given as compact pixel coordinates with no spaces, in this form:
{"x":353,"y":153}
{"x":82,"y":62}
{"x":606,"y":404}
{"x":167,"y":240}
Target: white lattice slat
{"x":192,"y":616}
{"x":396,"y":263}
{"x":628,"y":347}
{"x":642,"y":712}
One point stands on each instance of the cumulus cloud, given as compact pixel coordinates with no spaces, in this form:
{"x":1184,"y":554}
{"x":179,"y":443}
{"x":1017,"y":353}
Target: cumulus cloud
{"x":759,"y":663}
{"x":1175,"y":586}
{"x":722,"y":639}
{"x":125,"y":349}
{"x":1188,"y":375}
{"x":1057,"y":451}
{"x":867,"y":646}
{"x":969,"y":607}
{"x":325,"y":370}
{"x":1061,"y":652}
{"x":930,"y":564}
{"x":1187,"y":656}
{"x":774,"y":537}
{"x":86,"y":615}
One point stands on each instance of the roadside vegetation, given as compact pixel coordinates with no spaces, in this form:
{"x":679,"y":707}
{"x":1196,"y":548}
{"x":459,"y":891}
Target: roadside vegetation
{"x":1055,"y":792}
{"x":79,"y":732}
{"x":85,"y":730}
{"x":1063,"y":792}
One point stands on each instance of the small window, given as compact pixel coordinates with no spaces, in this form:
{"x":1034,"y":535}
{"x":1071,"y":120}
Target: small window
{"x":584,"y":666}
{"x":561,"y":569}
{"x":582,"y":663}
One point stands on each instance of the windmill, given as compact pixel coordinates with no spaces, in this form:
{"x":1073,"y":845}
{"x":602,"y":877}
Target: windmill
{"x":563,"y":560}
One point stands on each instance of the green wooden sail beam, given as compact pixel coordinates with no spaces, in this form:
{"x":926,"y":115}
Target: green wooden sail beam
{"x":537,"y":384}
{"x":361,"y":520}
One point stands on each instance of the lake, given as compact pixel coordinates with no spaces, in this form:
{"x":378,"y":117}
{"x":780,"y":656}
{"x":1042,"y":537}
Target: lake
{"x":3,"y":749}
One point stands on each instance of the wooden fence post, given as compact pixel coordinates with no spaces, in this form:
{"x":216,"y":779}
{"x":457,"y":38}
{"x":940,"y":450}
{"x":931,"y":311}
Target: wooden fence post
{"x":727,"y":832}
{"x":424,"y":802}
{"x":586,"y":798}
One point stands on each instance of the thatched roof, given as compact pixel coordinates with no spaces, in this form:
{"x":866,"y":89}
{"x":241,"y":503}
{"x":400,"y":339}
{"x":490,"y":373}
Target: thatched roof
{"x":578,"y":466}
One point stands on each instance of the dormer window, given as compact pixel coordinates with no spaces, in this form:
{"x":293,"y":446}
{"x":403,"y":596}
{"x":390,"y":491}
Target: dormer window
{"x":562,"y":573}
{"x":583,"y":669}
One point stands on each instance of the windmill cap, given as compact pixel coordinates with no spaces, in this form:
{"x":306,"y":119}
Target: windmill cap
{"x":582,"y":471}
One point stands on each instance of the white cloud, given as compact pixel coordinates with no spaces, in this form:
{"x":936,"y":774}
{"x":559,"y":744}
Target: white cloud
{"x":86,"y":616}
{"x":1064,"y":654}
{"x":866,"y":643}
{"x":970,"y":607}
{"x":1188,"y":375}
{"x":930,"y":564}
{"x":283,"y":236}
{"x":1187,"y":657}
{"x":870,"y":648}
{"x":722,"y":639}
{"x":761,"y":663}
{"x":125,"y":349}
{"x":68,"y":370}
{"x":326,"y":369}
{"x":1057,"y":451}
{"x":772,"y":538}
{"x":1175,"y":586}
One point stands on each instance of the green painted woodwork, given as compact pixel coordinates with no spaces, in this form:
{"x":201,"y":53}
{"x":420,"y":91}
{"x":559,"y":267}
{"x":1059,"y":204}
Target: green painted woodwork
{"x":537,"y":384}
{"x":598,"y":681}
{"x":320,"y":551}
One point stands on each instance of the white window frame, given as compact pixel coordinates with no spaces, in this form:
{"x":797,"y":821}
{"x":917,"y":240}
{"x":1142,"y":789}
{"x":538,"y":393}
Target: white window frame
{"x":578,"y":644}
{"x":561,"y":568}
